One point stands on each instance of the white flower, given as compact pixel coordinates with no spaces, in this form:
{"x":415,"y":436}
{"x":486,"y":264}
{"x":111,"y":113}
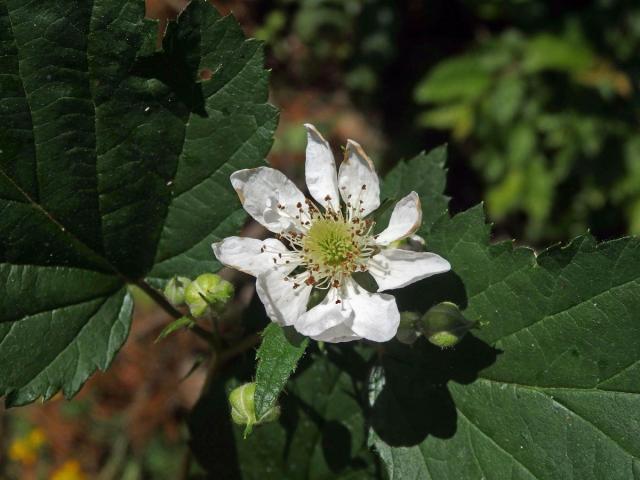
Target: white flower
{"x":321,"y":246}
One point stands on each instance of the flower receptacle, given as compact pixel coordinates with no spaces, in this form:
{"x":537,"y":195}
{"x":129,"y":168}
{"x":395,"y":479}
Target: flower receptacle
{"x":243,"y":411}
{"x":207,"y":291}
{"x":444,"y":325}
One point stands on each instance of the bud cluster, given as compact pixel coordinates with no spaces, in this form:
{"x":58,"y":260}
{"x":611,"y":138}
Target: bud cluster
{"x":207,"y":293}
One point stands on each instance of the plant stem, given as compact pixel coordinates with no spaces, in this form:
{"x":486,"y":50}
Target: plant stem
{"x":242,"y":346}
{"x":163,"y":303}
{"x":159,"y":298}
{"x":218,"y":356}
{"x":185,"y":466}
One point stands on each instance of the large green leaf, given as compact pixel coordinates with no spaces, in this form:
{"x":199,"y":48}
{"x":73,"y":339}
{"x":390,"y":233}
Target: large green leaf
{"x":557,"y":398}
{"x":277,"y":356}
{"x":114,"y":165}
{"x":321,"y":433}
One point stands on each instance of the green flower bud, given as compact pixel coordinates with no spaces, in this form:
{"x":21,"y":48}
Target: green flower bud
{"x":444,"y":325}
{"x":174,"y":290}
{"x":208,"y":290}
{"x":243,"y":411}
{"x":407,"y":332}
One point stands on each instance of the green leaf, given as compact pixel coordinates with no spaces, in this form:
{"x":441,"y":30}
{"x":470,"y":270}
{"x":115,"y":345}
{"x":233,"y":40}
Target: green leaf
{"x":278,"y":355}
{"x":182,"y":322}
{"x":552,"y":52}
{"x":114,"y":165}
{"x":456,"y":117}
{"x":426,"y":175}
{"x":545,"y":389}
{"x":321,"y":433}
{"x":461,"y":79}
{"x":59,"y":325}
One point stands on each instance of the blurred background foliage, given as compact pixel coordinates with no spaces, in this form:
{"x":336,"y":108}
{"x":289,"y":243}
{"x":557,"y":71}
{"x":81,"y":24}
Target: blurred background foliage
{"x":538,"y":101}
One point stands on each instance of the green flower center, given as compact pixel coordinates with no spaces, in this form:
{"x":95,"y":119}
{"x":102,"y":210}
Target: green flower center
{"x":330,"y":242}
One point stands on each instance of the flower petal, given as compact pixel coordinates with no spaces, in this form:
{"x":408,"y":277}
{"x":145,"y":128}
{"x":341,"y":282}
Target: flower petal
{"x":395,"y":268}
{"x":358,"y":181}
{"x":339,"y":334}
{"x":263,"y":191}
{"x":284,"y":304}
{"x":320,"y":170}
{"x":252,"y":256}
{"x":375,"y":315}
{"x":328,"y":321}
{"x":405,"y":219}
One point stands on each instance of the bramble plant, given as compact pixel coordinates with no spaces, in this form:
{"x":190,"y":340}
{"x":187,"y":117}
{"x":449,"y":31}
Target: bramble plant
{"x":118,"y":164}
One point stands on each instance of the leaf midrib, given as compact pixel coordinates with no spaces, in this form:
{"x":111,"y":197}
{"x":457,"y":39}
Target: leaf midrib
{"x":73,"y":239}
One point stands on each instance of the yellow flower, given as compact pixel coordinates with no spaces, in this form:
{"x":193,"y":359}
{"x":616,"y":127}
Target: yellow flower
{"x":25,"y":449}
{"x":69,"y":470}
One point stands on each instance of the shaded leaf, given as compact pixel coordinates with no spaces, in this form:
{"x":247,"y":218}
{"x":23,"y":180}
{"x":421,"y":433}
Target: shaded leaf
{"x":321,"y":432}
{"x":114,"y":164}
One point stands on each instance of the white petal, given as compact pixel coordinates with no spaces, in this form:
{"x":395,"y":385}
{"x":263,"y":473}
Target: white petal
{"x":262,"y":190}
{"x":339,"y":334}
{"x":405,"y":219}
{"x":247,"y":255}
{"x":356,"y":172}
{"x":284,"y":304}
{"x":395,"y":268}
{"x":320,"y":169}
{"x":375,"y":315}
{"x":328,"y":321}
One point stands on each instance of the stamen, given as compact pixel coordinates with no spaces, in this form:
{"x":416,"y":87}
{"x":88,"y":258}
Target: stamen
{"x":328,"y":245}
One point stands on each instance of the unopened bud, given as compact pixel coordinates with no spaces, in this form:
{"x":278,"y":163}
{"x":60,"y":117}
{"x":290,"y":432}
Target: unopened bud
{"x":243,"y":411}
{"x":444,"y":325}
{"x":174,"y":290}
{"x":407,"y":332}
{"x":208,"y":290}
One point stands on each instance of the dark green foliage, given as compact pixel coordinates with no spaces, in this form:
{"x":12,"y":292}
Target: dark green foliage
{"x":321,"y":433}
{"x":114,"y":165}
{"x":544,"y":388}
{"x":545,"y":110}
